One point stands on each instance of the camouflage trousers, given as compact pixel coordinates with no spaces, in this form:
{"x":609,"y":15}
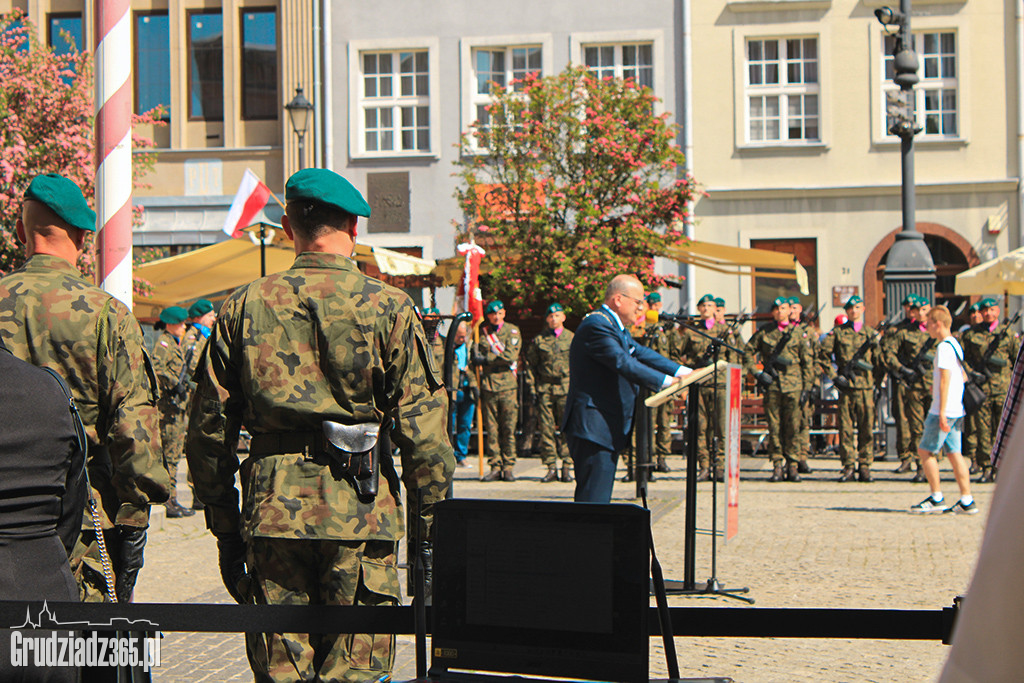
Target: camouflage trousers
{"x":804,"y":438}
{"x":550,"y":409}
{"x":711,"y":424}
{"x":856,"y":411}
{"x":501,"y":409}
{"x":916,"y":402}
{"x":173,"y":425}
{"x":783,"y":414}
{"x":898,"y":411}
{"x":289,"y":571}
{"x":985,"y":422}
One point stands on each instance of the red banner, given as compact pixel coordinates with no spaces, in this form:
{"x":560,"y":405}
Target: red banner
{"x":733,"y":387}
{"x":469,"y":286}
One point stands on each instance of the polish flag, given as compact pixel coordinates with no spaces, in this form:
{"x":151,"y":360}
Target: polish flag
{"x":251,"y":197}
{"x":469,"y":286}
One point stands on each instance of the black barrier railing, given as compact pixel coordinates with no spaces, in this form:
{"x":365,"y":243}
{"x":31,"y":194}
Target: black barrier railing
{"x":743,"y":622}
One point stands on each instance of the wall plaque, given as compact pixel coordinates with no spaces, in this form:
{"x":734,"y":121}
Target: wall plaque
{"x":388,"y":195}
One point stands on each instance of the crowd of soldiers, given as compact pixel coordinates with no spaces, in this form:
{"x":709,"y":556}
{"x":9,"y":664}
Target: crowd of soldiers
{"x":794,"y":368}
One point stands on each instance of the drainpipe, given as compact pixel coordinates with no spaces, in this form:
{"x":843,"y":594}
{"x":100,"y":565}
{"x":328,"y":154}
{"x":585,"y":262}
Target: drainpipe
{"x":326,"y":93}
{"x":1019,"y":67}
{"x":687,"y":50}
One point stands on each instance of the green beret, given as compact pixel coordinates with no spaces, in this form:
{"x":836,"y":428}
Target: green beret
{"x":794,"y":300}
{"x":988,"y":302}
{"x":853,"y":301}
{"x":706,"y":298}
{"x":719,"y":301}
{"x":327,"y":187}
{"x":199,"y":308}
{"x":64,"y":198}
{"x":495,"y":305}
{"x":909,"y":300}
{"x":172,"y":315}
{"x":555,"y":308}
{"x":653,"y":298}
{"x":975,"y":307}
{"x":779,"y":301}
{"x":430,"y":310}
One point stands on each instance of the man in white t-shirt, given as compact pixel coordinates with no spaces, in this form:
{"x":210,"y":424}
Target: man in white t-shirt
{"x":942,"y":427}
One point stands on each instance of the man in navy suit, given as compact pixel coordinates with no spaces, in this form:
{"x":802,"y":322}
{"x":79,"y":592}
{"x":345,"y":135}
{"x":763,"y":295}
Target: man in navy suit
{"x":605,"y":368}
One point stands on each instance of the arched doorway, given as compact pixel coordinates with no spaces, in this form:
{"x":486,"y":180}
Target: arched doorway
{"x":951,"y":253}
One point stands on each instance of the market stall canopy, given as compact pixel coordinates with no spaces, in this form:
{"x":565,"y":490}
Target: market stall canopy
{"x":740,"y":261}
{"x":1004,"y":275}
{"x":227,"y":265}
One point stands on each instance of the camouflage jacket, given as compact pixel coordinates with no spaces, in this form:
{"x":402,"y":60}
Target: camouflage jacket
{"x":809,"y":337}
{"x":498,"y":372}
{"x":320,"y":341}
{"x":52,"y":317}
{"x":168,"y":361}
{"x":840,"y":345}
{"x":901,"y":348}
{"x":887,"y":345}
{"x":793,"y":363}
{"x":547,"y":362}
{"x":976,"y":342}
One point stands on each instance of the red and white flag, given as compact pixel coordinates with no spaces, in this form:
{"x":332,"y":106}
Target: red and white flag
{"x":469,"y":286}
{"x":251,"y":197}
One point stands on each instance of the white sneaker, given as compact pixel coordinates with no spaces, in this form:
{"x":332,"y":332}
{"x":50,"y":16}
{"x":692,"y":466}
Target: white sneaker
{"x":928,"y":505}
{"x":958,"y":508}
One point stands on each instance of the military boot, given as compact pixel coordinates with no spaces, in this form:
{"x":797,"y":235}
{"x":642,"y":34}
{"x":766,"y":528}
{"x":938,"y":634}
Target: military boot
{"x":566,"y":472}
{"x":793,"y":472}
{"x":719,"y":474}
{"x":904,"y":467}
{"x":176,"y":510}
{"x":777,"y":474}
{"x":803,"y":468}
{"x":864,"y":474}
{"x":662,"y":466}
{"x":703,"y":474}
{"x":506,"y":474}
{"x":494,"y":475}
{"x":628,"y":476}
{"x":552,"y":475}
{"x":847,"y":474}
{"x":919,"y":475}
{"x":986,"y":476}
{"x":975,"y":468}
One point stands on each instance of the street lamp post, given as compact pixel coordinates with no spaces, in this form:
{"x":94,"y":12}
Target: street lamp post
{"x":299,"y":111}
{"x":909,"y":268}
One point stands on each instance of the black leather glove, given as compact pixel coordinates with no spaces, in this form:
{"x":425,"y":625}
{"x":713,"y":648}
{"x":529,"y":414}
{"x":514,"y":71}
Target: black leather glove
{"x":231,"y":557}
{"x":805,"y":396}
{"x":907,"y":374}
{"x":842,"y":383}
{"x":978,"y":378}
{"x":127,"y":558}
{"x":764,"y":379}
{"x":478,"y":359}
{"x":474,"y":394}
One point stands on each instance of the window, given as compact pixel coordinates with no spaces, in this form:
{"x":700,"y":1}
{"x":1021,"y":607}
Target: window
{"x":259,"y":64}
{"x":14,"y":30}
{"x":64,"y":33}
{"x":206,"y":65}
{"x":500,"y":68}
{"x":395,"y":101}
{"x":767,"y":288}
{"x":782,"y":90}
{"x":935,"y":96}
{"x":152,"y":62}
{"x":634,"y":61}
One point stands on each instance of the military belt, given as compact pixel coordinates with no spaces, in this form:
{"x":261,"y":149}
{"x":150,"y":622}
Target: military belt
{"x":310,"y":444}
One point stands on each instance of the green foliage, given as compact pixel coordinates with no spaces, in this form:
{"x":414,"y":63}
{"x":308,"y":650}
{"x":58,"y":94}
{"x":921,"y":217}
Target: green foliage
{"x":575,"y":180}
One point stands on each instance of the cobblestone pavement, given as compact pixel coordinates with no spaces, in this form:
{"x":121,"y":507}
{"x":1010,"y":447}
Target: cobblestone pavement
{"x":817,"y":543}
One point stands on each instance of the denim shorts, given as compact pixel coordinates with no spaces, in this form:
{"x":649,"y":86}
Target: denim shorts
{"x":934,"y":440}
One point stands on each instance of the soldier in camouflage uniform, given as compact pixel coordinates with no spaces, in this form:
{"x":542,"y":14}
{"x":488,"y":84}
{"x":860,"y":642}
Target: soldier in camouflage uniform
{"x":856,"y":397}
{"x":497,"y":355}
{"x":990,"y":350}
{"x":695,"y":351}
{"x":201,"y":320}
{"x":969,"y":440}
{"x":808,"y":336}
{"x":547,"y":374}
{"x":52,"y":317}
{"x":171,"y":362}
{"x":656,"y":337}
{"x":295,"y":356}
{"x":432,"y":328}
{"x":908,"y":352}
{"x":787,"y":375}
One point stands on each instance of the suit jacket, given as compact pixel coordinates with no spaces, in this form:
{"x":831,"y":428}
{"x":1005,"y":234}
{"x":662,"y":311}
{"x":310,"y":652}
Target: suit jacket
{"x":605,"y":368}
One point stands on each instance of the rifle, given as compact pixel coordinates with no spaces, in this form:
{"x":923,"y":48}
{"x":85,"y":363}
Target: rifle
{"x":914,"y":370}
{"x":844,"y":378}
{"x":988,"y":361}
{"x":705,"y":358}
{"x":772,"y":363}
{"x":804,"y":318}
{"x":180,"y":390}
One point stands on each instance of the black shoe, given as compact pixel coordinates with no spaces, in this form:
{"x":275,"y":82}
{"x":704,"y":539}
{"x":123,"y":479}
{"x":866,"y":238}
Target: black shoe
{"x":662,"y":465}
{"x":777,"y":474}
{"x":175,"y":510}
{"x":552,"y":475}
{"x":905,"y":466}
{"x":865,"y":474}
{"x":986,"y":476}
{"x":919,"y":477}
{"x":803,"y":468}
{"x":628,"y":478}
{"x":507,"y":475}
{"x":848,"y":474}
{"x":975,"y":468}
{"x":793,"y":472}
{"x":494,"y":475}
{"x":703,"y":474}
{"x":566,"y":473}
{"x":719,"y":474}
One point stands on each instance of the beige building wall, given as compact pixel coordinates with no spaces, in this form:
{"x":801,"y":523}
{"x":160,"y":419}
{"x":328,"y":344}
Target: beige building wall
{"x":843,"y":188}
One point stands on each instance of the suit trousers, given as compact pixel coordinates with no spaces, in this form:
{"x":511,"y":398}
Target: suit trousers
{"x":595,"y":470}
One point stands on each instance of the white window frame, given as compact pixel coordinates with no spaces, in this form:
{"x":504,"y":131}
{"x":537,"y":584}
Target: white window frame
{"x":924,"y":86}
{"x":783,"y":91}
{"x":743,"y":91}
{"x":655,"y":38}
{"x":358,"y":104}
{"x":468,"y":48}
{"x":880,"y":136}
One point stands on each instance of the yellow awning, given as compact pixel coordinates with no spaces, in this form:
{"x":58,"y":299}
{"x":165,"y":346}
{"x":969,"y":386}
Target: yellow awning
{"x":1004,"y":275}
{"x":230,"y":264}
{"x":740,"y":261}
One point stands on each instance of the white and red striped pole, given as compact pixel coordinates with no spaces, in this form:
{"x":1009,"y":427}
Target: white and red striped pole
{"x":114,"y":147}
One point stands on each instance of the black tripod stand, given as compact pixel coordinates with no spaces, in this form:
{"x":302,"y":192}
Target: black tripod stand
{"x":689,"y":586}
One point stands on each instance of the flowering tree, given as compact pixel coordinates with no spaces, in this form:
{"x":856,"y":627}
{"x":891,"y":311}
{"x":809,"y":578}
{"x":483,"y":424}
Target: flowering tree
{"x":47,"y":126}
{"x":572,"y":179}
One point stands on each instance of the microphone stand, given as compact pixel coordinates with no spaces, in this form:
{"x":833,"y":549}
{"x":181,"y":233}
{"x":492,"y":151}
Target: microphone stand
{"x":688,"y":585}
